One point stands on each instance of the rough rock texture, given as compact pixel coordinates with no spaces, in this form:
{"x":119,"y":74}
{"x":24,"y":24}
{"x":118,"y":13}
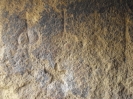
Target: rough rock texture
{"x":66,"y":49}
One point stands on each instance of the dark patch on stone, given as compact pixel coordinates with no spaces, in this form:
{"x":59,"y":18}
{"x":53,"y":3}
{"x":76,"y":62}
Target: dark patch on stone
{"x":43,"y":53}
{"x":80,"y":11}
{"x":104,"y":9}
{"x":12,"y":30}
{"x":76,"y":91}
{"x":61,"y":7}
{"x":123,"y":94}
{"x":130,"y":4}
{"x":80,"y":44}
{"x":107,"y":5}
{"x":21,"y":61}
{"x":131,"y":32}
{"x":84,"y":7}
{"x":5,"y":14}
{"x":84,"y":92}
{"x":51,"y":22}
{"x":104,"y":5}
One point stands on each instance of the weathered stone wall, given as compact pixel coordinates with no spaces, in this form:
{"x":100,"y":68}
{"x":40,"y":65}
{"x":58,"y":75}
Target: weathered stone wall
{"x":66,"y":49}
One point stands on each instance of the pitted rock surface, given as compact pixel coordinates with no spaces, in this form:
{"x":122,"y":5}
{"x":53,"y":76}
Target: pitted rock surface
{"x":66,"y":49}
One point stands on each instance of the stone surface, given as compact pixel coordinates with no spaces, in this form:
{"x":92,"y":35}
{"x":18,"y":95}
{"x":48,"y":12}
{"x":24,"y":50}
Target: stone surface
{"x":66,"y":49}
